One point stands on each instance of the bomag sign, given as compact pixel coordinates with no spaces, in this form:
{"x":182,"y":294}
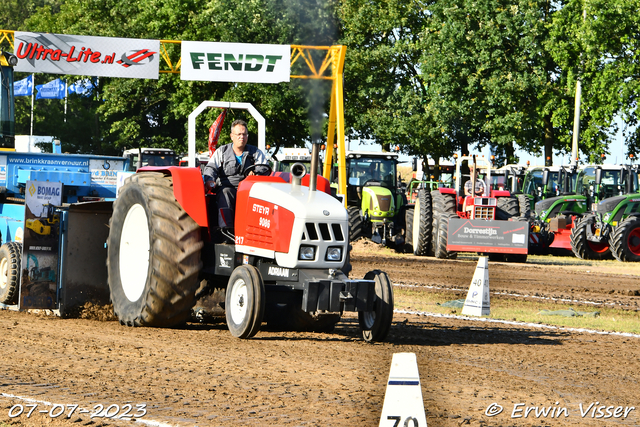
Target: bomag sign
{"x":235,"y":62}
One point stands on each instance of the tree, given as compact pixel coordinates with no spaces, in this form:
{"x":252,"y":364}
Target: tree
{"x":385,"y":95}
{"x":134,"y":112}
{"x":598,"y":41}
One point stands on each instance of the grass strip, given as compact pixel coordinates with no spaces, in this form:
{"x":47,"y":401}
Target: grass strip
{"x":609,"y":319}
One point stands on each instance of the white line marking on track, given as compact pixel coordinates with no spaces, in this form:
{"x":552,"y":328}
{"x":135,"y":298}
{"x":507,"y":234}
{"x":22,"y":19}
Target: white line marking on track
{"x":511,"y":322}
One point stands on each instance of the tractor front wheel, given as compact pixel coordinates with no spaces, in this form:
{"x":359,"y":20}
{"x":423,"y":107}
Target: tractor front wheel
{"x":375,"y":324}
{"x":245,"y":302}
{"x":10,"y":254}
{"x":625,"y":240}
{"x":583,"y":248}
{"x":153,"y":256}
{"x":356,"y":224}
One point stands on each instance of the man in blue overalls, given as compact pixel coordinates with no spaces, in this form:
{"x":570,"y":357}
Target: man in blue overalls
{"x":226,"y":169}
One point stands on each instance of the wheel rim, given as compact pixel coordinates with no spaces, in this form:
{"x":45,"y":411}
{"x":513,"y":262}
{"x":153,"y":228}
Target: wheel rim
{"x":134,"y":252}
{"x":239,"y":300}
{"x":415,"y":232}
{"x":4,"y":273}
{"x":369,"y":318}
{"x":634,"y":241}
{"x":598,"y":247}
{"x":595,"y":247}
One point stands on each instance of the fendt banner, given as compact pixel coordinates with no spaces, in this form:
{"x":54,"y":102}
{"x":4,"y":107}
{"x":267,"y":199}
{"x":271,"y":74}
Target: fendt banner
{"x":235,"y":62}
{"x":87,"y":55}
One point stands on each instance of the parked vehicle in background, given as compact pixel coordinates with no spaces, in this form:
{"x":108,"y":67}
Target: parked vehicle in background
{"x":434,"y":227}
{"x":612,"y":228}
{"x":140,"y":157}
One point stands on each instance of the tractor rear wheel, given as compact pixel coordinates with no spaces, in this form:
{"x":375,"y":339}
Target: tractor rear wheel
{"x":507,"y":208}
{"x":440,"y":248}
{"x":625,"y":240}
{"x":375,"y":324}
{"x":10,"y":254}
{"x":245,"y":302}
{"x":583,"y":248}
{"x":443,"y":202}
{"x":524,"y":205}
{"x":356,"y":225}
{"x":408,"y":231}
{"x":422,"y":223}
{"x":153,"y":256}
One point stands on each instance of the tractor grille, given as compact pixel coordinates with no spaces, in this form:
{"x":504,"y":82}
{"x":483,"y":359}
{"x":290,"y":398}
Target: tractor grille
{"x":323,"y":231}
{"x":385,"y":203}
{"x":484,"y":212}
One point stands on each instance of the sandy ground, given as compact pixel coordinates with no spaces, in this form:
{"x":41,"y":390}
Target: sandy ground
{"x":201,"y":375}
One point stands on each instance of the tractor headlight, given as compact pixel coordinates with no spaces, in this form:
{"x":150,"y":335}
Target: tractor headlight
{"x":334,"y":254}
{"x":307,"y":253}
{"x":606,"y":216}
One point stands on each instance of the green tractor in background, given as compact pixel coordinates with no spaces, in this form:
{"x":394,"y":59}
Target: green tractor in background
{"x":613,"y":226}
{"x":375,"y":201}
{"x":567,"y":194}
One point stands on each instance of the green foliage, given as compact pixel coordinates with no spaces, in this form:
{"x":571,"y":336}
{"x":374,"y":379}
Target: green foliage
{"x":133,"y":113}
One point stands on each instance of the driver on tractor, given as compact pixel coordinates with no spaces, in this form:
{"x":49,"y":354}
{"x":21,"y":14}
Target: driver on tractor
{"x":227,"y":167}
{"x":478,"y":188}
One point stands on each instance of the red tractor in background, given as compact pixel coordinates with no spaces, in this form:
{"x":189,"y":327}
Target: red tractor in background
{"x":446,"y":221}
{"x":285,"y":264}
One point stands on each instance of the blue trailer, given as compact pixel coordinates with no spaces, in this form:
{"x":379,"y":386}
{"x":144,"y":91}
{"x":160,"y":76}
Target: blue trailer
{"x":53,"y":259}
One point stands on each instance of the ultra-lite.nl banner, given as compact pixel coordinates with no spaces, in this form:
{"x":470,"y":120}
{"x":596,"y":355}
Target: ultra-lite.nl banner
{"x":87,"y":55}
{"x":235,"y":62}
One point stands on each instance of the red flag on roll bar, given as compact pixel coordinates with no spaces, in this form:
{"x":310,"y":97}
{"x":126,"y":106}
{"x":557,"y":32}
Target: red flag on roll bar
{"x":214,"y":132}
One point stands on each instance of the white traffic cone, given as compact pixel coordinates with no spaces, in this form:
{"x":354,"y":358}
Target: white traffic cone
{"x":403,"y":404}
{"x":477,"y":302}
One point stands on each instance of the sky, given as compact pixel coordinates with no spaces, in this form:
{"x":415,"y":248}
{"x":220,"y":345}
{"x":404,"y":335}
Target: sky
{"x":616,"y":156}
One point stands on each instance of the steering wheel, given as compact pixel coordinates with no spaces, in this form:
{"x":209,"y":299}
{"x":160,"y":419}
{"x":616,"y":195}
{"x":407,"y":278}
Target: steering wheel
{"x":266,"y":170}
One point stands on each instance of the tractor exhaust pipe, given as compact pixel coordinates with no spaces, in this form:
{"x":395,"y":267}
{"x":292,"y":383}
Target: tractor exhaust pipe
{"x":298,"y":171}
{"x":313,"y":179}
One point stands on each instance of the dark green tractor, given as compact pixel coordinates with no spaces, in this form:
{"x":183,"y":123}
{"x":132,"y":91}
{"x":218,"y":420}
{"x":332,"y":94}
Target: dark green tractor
{"x":613,"y":226}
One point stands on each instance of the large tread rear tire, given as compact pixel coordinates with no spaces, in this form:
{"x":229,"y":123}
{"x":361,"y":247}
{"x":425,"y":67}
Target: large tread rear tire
{"x":524,"y":206}
{"x":375,"y":324}
{"x":356,"y":225}
{"x":10,"y":259}
{"x":443,"y":235}
{"x":153,"y":256}
{"x":408,"y":231}
{"x":244,"y":302}
{"x":625,"y":240}
{"x":443,"y":203}
{"x":422,"y":223}
{"x":583,"y":248}
{"x":507,"y":207}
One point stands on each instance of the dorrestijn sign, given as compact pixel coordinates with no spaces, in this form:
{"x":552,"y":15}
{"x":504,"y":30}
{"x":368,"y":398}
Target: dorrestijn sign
{"x":235,"y":62}
{"x":87,"y":55}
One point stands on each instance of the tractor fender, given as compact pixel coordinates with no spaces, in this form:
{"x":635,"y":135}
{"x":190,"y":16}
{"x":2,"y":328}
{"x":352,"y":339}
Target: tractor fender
{"x":500,"y":193}
{"x":445,"y":190}
{"x":188,"y":189}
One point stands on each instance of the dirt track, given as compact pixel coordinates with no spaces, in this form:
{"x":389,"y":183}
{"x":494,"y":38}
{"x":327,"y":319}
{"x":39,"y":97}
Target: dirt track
{"x":200,"y":375}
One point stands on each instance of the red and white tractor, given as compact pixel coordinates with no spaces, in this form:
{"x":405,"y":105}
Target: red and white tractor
{"x":286,"y":263}
{"x":446,"y":221}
